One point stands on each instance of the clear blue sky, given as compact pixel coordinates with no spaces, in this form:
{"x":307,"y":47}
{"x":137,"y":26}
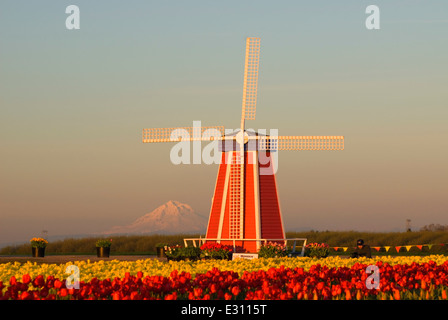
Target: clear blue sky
{"x":73,"y":104}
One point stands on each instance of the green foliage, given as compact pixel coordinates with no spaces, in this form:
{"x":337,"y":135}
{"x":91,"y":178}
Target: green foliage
{"x":178,"y":252}
{"x":190,"y":252}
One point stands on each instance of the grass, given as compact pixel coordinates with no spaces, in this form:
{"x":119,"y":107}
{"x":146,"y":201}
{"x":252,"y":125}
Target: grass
{"x":122,"y":245}
{"x":146,"y":244}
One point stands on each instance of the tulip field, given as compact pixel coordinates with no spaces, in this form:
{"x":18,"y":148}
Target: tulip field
{"x":299,"y":278}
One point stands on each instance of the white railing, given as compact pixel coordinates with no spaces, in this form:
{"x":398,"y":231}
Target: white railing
{"x":264,"y":241}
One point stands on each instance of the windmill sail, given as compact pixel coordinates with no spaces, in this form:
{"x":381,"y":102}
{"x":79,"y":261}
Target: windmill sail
{"x":250,"y":79}
{"x":153,"y":135}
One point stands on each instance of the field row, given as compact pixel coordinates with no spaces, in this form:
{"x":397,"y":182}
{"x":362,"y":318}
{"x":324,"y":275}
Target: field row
{"x":277,"y":278}
{"x":416,"y":280}
{"x":104,"y":269}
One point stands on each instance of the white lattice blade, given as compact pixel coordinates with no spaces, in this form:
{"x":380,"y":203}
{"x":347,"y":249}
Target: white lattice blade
{"x":154,"y":135}
{"x":301,"y":143}
{"x":250,"y":84}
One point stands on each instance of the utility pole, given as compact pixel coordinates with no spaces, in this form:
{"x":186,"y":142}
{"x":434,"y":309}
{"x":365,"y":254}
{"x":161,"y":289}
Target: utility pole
{"x":408,"y":225}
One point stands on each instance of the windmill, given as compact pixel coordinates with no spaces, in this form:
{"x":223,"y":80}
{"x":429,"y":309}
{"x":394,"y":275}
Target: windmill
{"x":245,"y":207}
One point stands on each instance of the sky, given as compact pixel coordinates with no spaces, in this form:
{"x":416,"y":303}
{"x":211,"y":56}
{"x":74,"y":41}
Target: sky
{"x":73,"y":103}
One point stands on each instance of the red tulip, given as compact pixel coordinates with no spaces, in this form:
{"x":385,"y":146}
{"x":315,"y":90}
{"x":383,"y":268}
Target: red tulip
{"x":134,"y":295}
{"x":63,"y":292}
{"x":235,"y":290}
{"x":320,"y":286}
{"x":25,"y":296}
{"x":57,"y":284}
{"x":26,"y":278}
{"x":116,"y":296}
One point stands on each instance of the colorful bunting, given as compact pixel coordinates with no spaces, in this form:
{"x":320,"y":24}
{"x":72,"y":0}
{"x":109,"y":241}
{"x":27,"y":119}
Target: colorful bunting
{"x":408,"y":247}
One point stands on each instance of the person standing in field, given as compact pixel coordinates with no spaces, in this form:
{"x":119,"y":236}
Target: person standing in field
{"x":361,"y":250}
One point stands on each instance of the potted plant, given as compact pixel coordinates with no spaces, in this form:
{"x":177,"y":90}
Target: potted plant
{"x":272,"y":250}
{"x":161,"y":248}
{"x":38,"y":246}
{"x":103,"y":248}
{"x":317,"y":250}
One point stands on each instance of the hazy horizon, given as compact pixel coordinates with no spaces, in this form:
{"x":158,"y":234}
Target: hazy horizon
{"x":73,"y":104}
{"x":99,"y":233}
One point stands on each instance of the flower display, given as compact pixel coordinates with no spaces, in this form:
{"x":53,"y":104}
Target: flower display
{"x":317,"y":250}
{"x":38,"y":243}
{"x":272,"y":250}
{"x":173,"y":252}
{"x":214,"y":250}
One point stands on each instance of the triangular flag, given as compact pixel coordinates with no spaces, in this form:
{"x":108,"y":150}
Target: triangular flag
{"x":387,"y":248}
{"x":408,"y":247}
{"x":429,"y":246}
{"x":398,"y":248}
{"x":377,"y":248}
{"x":335,"y":248}
{"x":344,"y":248}
{"x":442,"y":244}
{"x":420,"y":246}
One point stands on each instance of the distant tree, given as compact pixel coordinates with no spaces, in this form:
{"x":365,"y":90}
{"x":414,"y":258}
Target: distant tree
{"x":434,"y":227}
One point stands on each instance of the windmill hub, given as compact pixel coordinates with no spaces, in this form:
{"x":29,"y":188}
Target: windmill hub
{"x":242,"y":137}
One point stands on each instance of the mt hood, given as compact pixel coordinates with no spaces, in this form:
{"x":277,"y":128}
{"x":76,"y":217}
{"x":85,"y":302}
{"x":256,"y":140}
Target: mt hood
{"x":170,"y":218}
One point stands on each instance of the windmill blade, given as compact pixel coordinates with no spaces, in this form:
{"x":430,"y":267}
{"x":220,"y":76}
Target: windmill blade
{"x":200,"y":133}
{"x":250,"y":79}
{"x":301,"y":143}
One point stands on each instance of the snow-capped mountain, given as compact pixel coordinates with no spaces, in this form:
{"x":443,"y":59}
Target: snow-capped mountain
{"x":170,"y":218}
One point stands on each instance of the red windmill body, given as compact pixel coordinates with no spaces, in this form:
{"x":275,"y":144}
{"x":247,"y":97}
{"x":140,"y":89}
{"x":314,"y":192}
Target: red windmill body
{"x":245,"y":209}
{"x":261,"y":207}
